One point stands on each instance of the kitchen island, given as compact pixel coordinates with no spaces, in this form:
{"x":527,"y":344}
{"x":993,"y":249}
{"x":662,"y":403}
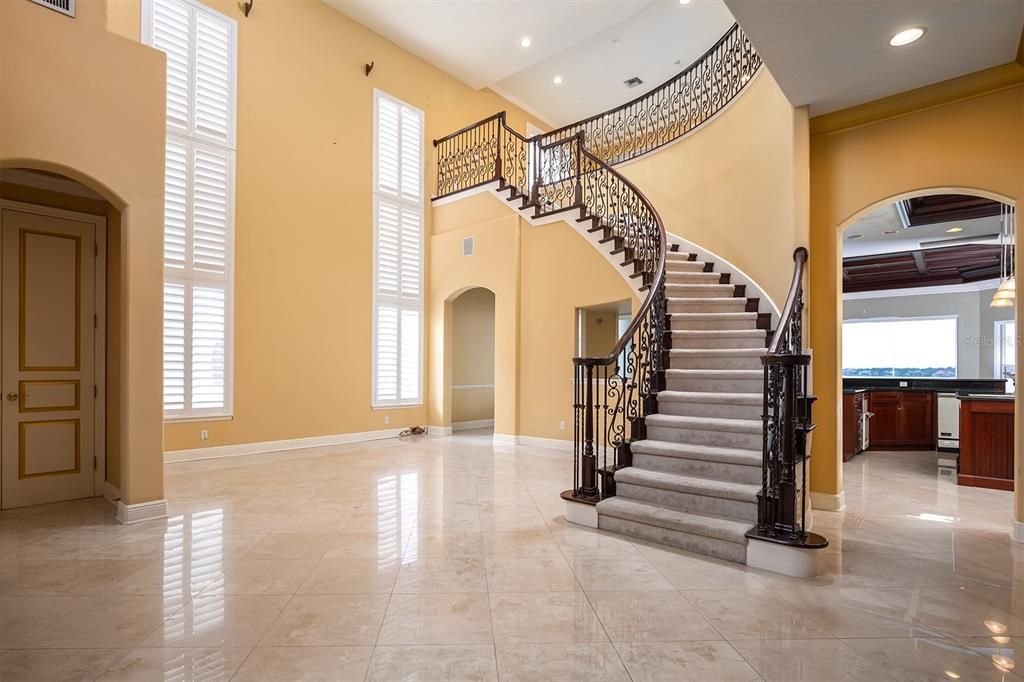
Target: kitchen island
{"x":986,"y":441}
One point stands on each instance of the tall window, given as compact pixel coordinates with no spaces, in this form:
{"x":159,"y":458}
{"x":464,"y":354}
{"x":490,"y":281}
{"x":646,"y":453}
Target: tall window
{"x":398,"y":252}
{"x":903,"y":347}
{"x":198,"y":203}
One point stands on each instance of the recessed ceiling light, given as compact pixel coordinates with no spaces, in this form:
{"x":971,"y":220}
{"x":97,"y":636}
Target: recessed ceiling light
{"x":855,"y":236}
{"x":557,"y":80}
{"x":890,"y":232}
{"x":955,"y":229}
{"x":907,"y":36}
{"x":526,"y":42}
{"x":684,"y":2}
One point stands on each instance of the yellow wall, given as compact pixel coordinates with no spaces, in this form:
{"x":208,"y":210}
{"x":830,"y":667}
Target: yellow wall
{"x":602,"y":331}
{"x":80,"y":101}
{"x":303,"y":245}
{"x":540,"y":276}
{"x":970,"y":144}
{"x":473,"y":356}
{"x":738,"y":186}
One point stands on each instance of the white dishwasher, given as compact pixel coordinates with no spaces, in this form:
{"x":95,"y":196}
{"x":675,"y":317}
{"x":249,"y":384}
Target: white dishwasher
{"x":949,"y":429}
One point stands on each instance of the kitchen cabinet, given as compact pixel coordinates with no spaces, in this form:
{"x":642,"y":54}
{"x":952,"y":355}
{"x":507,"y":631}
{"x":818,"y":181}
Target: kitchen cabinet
{"x":986,"y":442}
{"x":853,"y":424}
{"x":902,"y":419}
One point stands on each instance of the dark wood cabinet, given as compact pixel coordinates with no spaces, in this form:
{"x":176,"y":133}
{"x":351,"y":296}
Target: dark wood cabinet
{"x":986,"y":443}
{"x":902,"y":419}
{"x":853,"y":424}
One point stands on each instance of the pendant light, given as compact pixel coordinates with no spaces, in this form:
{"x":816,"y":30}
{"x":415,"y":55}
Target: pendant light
{"x":1006,"y":294}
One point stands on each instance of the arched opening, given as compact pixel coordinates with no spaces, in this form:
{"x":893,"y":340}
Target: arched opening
{"x":472,"y":360}
{"x":927,"y":359}
{"x":61,"y":361}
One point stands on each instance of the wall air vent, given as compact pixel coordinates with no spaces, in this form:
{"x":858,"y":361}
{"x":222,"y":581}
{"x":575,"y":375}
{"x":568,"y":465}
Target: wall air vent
{"x":63,"y":6}
{"x":633,"y":82}
{"x":467,"y":246}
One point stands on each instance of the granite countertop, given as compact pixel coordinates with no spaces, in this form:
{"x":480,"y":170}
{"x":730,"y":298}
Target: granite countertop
{"x":992,"y":396}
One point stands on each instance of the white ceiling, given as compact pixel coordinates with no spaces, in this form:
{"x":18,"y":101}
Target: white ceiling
{"x":832,"y":54}
{"x":478,"y":42}
{"x":873,"y":239}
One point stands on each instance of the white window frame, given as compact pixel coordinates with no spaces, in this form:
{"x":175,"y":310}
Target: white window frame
{"x":915,"y":318}
{"x":188,"y":278}
{"x":998,"y":331}
{"x":399,"y":202}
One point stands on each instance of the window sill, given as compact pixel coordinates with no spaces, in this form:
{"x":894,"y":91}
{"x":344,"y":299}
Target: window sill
{"x":400,"y":406}
{"x":207,"y":418}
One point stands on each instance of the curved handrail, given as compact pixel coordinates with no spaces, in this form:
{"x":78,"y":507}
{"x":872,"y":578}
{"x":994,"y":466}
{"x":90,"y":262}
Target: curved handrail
{"x":793,"y":298}
{"x":658,"y":279}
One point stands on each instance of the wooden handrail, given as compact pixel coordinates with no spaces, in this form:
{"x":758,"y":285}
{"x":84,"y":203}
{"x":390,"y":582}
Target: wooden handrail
{"x":465,"y":129}
{"x":800,"y":258}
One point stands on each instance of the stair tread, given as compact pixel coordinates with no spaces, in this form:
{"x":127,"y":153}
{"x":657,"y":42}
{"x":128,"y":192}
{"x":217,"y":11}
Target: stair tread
{"x":718,"y":373}
{"x":721,"y":333}
{"x":733,"y":398}
{"x":707,"y":299}
{"x":718,"y":352}
{"x":706,"y":423}
{"x":714,"y":316}
{"x":719,"y":528}
{"x":706,"y":453}
{"x":695,"y":485}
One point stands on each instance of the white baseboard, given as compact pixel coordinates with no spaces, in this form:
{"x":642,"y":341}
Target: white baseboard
{"x":797,"y":562}
{"x":110,"y":492}
{"x":581,"y":514}
{"x":244,"y":449}
{"x":144,"y":511}
{"x":1017,"y":532}
{"x":828,"y":502}
{"x":439,"y":430}
{"x":533,"y":441}
{"x":476,"y":424}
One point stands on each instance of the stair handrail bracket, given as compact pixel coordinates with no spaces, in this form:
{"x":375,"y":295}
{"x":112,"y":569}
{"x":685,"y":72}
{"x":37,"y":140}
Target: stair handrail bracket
{"x":787,"y":422}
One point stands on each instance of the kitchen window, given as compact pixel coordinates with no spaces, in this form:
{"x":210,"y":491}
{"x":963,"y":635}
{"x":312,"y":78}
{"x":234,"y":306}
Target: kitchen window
{"x":1006,"y":349}
{"x":900,"y":347}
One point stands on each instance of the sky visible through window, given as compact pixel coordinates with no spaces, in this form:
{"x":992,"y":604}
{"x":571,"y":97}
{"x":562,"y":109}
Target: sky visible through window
{"x":922,"y":347}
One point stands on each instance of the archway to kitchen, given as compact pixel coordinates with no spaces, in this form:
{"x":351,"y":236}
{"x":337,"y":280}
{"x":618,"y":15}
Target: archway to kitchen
{"x":926,"y":343}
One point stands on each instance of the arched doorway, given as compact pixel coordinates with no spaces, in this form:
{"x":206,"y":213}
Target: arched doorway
{"x":473,"y":360}
{"x":61,"y":357}
{"x":923,"y":350}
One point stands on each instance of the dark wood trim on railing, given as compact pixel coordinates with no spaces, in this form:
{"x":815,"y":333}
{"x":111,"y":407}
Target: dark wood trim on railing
{"x":493,"y":117}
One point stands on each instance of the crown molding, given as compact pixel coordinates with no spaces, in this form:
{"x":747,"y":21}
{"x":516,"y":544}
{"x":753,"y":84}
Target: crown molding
{"x":966,"y":87}
{"x":983,"y":285}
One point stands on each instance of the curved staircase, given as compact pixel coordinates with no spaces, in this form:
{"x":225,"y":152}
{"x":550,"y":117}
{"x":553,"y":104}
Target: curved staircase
{"x":692,"y":432}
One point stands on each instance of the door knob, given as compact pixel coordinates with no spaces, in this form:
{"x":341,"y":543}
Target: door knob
{"x":12,"y":396}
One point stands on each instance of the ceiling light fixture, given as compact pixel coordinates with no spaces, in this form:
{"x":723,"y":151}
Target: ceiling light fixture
{"x":907,"y":36}
{"x":890,"y":232}
{"x":855,"y":236}
{"x":557,"y":80}
{"x":684,"y":2}
{"x":955,"y":229}
{"x":526,"y":42}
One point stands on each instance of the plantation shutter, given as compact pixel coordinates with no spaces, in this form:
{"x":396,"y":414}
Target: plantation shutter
{"x":398,"y":253}
{"x":198,"y":203}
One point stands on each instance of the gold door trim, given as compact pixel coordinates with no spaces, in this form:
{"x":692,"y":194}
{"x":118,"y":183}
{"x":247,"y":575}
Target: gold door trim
{"x":24,"y":384}
{"x":21,"y":301}
{"x":21,"y":448}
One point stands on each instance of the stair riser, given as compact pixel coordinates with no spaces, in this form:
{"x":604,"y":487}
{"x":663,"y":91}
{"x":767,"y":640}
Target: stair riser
{"x":715,"y":385}
{"x":680,"y":324}
{"x":693,"y":278}
{"x":699,"y":544}
{"x":712,"y":362}
{"x":698,"y":504}
{"x":725,"y":439}
{"x":723,"y":305}
{"x":698,"y":291}
{"x":736,"y":473}
{"x":690,"y":408}
{"x":718,"y":342}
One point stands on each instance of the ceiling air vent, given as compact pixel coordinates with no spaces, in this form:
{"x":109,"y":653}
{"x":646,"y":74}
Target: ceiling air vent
{"x":63,"y":6}
{"x":467,"y":246}
{"x":633,"y":82}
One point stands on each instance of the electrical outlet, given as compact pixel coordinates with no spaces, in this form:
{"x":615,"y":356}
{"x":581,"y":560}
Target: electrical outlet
{"x":561,"y":425}
{"x":387,"y":419}
{"x":204,"y":435}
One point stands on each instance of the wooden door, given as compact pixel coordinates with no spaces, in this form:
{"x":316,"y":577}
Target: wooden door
{"x":47,"y":368}
{"x":885,"y":425}
{"x":916,"y":423}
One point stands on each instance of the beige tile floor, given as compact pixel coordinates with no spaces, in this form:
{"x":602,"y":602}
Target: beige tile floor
{"x":449,"y":559}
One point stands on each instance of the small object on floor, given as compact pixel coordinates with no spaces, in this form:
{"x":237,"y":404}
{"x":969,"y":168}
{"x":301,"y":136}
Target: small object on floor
{"x":413,"y":431}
